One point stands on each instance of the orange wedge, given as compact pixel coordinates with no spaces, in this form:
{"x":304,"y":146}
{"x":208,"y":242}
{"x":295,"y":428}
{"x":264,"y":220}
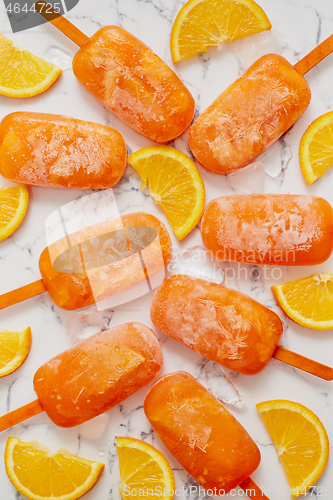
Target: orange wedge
{"x":143,"y":469}
{"x":202,"y":24}
{"x":175,"y":185}
{"x":308,"y":301}
{"x":14,"y":350}
{"x":13,"y":206}
{"x":41,"y":475}
{"x":300,"y":440}
{"x":21,"y":73}
{"x":316,"y":148}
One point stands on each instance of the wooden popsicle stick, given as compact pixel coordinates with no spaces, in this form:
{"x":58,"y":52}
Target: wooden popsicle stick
{"x":60,"y":22}
{"x":252,"y":490}
{"x":22,"y":293}
{"x":315,"y":56}
{"x":19,"y":415}
{"x":303,"y":363}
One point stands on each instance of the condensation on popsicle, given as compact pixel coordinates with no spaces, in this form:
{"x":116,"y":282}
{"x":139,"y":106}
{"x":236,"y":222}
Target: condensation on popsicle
{"x":60,"y":152}
{"x":98,"y":373}
{"x":65,"y":271}
{"x":250,"y":115}
{"x":200,"y":433}
{"x":223,"y":325}
{"x":285,"y":230}
{"x":134,"y":83}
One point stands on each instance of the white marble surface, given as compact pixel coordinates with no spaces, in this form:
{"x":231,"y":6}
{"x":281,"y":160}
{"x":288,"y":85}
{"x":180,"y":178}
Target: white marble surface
{"x":305,"y":23}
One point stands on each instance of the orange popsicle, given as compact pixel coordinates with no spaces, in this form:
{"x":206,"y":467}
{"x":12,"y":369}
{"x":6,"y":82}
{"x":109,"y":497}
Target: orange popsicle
{"x":134,"y":83}
{"x":285,"y":230}
{"x":60,"y":152}
{"x":93,"y":261}
{"x":201,"y":434}
{"x":250,"y":115}
{"x":221,"y":324}
{"x":98,"y":373}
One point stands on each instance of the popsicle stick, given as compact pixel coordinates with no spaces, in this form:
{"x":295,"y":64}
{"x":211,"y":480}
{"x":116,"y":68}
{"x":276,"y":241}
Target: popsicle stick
{"x":315,"y":56}
{"x":60,"y":22}
{"x":19,"y":415}
{"x":303,"y":363}
{"x":252,"y":490}
{"x":23,"y":293}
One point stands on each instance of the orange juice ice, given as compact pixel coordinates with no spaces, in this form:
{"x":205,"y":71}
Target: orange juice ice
{"x":250,"y":115}
{"x":285,"y":230}
{"x":60,"y":152}
{"x":98,"y":373}
{"x":223,"y":325}
{"x":134,"y":83}
{"x":107,"y":256}
{"x":200,"y":433}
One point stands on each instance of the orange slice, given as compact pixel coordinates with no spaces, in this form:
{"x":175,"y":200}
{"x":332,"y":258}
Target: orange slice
{"x":143,"y":469}
{"x":316,"y":148}
{"x":14,"y":350}
{"x":202,"y":24}
{"x":300,"y":440}
{"x":308,"y":301}
{"x":21,"y":73}
{"x":13,"y":206}
{"x":175,"y":185}
{"x":41,"y":475}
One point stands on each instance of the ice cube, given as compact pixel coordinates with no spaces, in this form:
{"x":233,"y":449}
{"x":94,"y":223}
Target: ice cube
{"x":197,"y":262}
{"x":84,"y":324}
{"x":94,"y":429}
{"x":216,"y":379}
{"x":276,"y":158}
{"x":250,"y":48}
{"x":248,"y":180}
{"x":59,"y":57}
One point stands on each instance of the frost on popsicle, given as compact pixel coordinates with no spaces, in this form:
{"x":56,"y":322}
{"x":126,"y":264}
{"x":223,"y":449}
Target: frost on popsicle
{"x":197,"y":262}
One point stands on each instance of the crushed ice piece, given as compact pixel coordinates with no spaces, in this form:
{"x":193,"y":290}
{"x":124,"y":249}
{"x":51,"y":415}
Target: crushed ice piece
{"x":59,"y":57}
{"x":248,"y":180}
{"x":101,"y":452}
{"x":276,"y":158}
{"x":94,"y":429}
{"x":197,"y":262}
{"x":83,"y":324}
{"x":218,"y":382}
{"x":250,"y":48}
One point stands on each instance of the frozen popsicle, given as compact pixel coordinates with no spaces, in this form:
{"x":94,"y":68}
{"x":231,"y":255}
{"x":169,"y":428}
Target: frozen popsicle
{"x":200,"y":433}
{"x":60,"y":152}
{"x":285,"y":230}
{"x":224,"y":326}
{"x":98,"y":262}
{"x":93,"y":376}
{"x":250,"y":115}
{"x":253,"y":112}
{"x":129,"y":79}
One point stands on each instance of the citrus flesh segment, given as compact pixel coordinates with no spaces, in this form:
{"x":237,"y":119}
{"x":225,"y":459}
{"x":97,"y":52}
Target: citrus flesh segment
{"x":41,"y":475}
{"x":14,"y":349}
{"x":13,"y":206}
{"x":300,"y":440}
{"x":316,"y":148}
{"x":175,"y":185}
{"x":23,"y":74}
{"x":143,"y":467}
{"x":202,"y":24}
{"x":308,"y":301}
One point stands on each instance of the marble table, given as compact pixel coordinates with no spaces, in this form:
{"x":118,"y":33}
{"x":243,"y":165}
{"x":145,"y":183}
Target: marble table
{"x":304,"y":23}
